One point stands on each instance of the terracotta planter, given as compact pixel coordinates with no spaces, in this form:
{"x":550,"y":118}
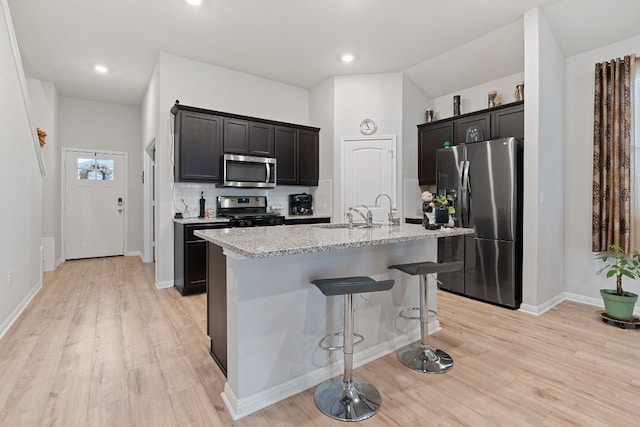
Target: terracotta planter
{"x":616,"y":306}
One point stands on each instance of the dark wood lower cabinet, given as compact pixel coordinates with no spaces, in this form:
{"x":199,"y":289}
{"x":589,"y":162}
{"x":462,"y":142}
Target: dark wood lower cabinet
{"x":217,"y":304}
{"x":190,"y":258}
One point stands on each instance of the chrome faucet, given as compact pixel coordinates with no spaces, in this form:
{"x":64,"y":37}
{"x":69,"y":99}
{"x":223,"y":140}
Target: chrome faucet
{"x":390,"y":205}
{"x":368,"y":218}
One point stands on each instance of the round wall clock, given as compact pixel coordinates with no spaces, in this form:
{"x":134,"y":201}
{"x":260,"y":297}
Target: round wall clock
{"x":368,"y":127}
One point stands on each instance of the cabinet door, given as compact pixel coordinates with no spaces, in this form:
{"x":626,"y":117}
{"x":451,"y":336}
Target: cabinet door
{"x":197,"y":149}
{"x":236,"y":136}
{"x":508,"y":122}
{"x":261,"y":140}
{"x":483,"y":122}
{"x":430,"y":138}
{"x":286,"y":142}
{"x":308,"y":153}
{"x":195,"y":263}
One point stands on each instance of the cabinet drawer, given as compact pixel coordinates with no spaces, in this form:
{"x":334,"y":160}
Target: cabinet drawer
{"x":191,"y":228}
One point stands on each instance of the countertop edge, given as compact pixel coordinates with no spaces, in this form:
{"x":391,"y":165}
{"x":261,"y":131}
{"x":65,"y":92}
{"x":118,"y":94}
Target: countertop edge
{"x":323,"y":247}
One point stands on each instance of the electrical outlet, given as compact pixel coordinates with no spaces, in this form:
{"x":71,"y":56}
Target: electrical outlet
{"x":10,"y":278}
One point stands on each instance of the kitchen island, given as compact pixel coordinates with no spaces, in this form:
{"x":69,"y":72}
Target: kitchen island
{"x":275,"y":317}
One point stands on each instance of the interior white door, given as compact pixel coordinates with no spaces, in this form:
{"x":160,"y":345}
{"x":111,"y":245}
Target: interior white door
{"x":94,"y":204}
{"x":369,"y":169}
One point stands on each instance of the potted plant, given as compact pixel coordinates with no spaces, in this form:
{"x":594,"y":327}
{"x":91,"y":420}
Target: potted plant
{"x":444,"y":207}
{"x":618,"y":303}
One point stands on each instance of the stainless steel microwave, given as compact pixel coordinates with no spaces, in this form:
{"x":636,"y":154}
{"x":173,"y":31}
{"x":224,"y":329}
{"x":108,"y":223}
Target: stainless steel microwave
{"x":248,"y":171}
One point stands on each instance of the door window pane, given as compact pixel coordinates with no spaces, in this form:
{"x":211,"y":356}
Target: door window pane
{"x":95,"y":170}
{"x":105,"y":168}
{"x":86,"y":167}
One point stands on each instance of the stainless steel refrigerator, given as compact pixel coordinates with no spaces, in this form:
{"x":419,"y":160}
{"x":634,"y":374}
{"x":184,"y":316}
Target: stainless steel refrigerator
{"x":485,"y":179}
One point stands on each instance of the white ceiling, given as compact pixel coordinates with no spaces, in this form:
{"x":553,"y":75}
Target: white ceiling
{"x":442,"y":46}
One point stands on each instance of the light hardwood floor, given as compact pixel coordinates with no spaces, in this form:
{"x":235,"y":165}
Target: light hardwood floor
{"x":100,"y":346}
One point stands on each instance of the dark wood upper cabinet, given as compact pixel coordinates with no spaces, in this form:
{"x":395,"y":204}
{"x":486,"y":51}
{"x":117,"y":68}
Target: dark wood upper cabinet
{"x":430,"y":138}
{"x":508,"y":122}
{"x":308,"y":157}
{"x":460,"y":127}
{"x":261,"y":139}
{"x":297,"y":155}
{"x":198,"y":147}
{"x":286,"y":141}
{"x":202,"y":136}
{"x":247,"y":137}
{"x":236,"y":136}
{"x":499,"y":122}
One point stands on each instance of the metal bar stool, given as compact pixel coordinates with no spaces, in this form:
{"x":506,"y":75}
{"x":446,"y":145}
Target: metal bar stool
{"x":421,"y":356}
{"x":348,"y":398}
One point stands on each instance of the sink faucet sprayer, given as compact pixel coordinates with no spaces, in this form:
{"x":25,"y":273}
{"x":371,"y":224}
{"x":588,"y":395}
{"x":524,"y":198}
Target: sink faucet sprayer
{"x":368,"y":218}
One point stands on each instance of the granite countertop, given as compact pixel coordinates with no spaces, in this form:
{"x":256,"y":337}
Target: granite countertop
{"x":267,"y":242}
{"x":197,"y":220}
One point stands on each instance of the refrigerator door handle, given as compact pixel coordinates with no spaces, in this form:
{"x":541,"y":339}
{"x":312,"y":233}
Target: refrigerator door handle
{"x":465,"y":192}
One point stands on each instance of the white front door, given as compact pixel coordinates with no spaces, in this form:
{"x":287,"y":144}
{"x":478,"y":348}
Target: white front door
{"x":94,"y":204}
{"x":369,"y":169}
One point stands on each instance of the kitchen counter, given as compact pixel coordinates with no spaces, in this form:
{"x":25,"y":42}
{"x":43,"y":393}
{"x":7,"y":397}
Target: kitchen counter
{"x":265,"y":318}
{"x":267,"y":242}
{"x":197,"y":220}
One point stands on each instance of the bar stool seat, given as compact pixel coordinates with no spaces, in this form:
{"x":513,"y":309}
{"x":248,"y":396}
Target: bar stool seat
{"x":347,"y":398}
{"x":421,"y":356}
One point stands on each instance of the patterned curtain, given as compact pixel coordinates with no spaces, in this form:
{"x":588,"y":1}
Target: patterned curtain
{"x":612,"y":208}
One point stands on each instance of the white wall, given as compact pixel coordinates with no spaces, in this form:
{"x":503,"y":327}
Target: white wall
{"x":44,"y":103}
{"x":580,"y":267}
{"x":109,"y":127}
{"x":543,"y":165}
{"x":414,"y":104}
{"x":475,"y":98}
{"x":374,"y":96}
{"x":21,"y":216}
{"x":322,"y":114}
{"x":207,"y":86}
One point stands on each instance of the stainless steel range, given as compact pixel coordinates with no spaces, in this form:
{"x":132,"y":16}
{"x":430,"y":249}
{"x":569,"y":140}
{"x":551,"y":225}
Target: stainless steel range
{"x":247,"y":211}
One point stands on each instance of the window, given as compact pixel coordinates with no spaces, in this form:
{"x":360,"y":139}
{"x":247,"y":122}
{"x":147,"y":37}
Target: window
{"x":95,"y":169}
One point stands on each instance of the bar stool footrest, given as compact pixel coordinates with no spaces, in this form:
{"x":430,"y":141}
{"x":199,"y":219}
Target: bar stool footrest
{"x":323,"y":342}
{"x":404,"y":313}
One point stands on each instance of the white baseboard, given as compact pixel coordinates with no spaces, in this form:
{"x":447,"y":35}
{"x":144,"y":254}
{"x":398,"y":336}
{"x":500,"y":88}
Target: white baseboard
{"x":6,"y":325}
{"x":544,"y":307}
{"x":565,"y":296}
{"x":165,"y":284}
{"x":239,"y":408}
{"x":134,"y":253}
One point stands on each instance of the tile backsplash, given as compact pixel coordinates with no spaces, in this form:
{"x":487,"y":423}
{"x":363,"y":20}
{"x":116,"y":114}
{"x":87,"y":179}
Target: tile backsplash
{"x":186,"y":196}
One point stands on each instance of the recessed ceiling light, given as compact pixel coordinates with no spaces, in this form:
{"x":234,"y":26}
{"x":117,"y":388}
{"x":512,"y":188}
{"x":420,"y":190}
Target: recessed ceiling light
{"x":347,"y":57}
{"x":194,"y":2}
{"x":100,"y":69}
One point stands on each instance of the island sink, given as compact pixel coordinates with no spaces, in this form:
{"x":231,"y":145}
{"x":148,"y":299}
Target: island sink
{"x":344,"y":225}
